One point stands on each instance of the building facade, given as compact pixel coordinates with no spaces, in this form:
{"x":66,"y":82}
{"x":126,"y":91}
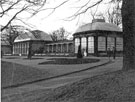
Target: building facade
{"x":40,"y":40}
{"x":96,"y":37}
{"x":60,"y":48}
{"x":35,"y":39}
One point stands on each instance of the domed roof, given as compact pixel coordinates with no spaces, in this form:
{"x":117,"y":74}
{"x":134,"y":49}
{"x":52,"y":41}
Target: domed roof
{"x":33,"y":35}
{"x":100,"y":25}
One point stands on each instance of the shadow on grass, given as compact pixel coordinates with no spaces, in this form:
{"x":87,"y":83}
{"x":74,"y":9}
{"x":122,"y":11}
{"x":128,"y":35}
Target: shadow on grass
{"x":66,"y":61}
{"x":12,"y":58}
{"x":32,"y":58}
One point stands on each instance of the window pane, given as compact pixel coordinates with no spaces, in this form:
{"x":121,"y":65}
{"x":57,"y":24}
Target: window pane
{"x":83,"y":43}
{"x":101,"y":44}
{"x":110,"y":42}
{"x":119,"y":44}
{"x":77,"y":42}
{"x":90,"y":44}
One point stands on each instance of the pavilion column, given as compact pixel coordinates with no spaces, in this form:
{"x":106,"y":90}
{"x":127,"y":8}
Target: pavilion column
{"x":61,"y":48}
{"x":74,"y":45}
{"x":115,"y":43}
{"x":22,"y":48}
{"x":19,"y":48}
{"x":13,"y":48}
{"x":27,"y":48}
{"x":67,"y":47}
{"x":87,"y":45}
{"x":96,"y":45}
{"x":56,"y":48}
{"x":52,"y":48}
{"x":49,"y":48}
{"x":64,"y":49}
{"x":80,"y":42}
{"x":106,"y":43}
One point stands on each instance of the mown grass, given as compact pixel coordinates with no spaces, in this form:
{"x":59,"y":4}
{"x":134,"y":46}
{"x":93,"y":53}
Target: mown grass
{"x":12,"y":74}
{"x":112,"y":87}
{"x":66,"y":61}
{"x":118,"y":86}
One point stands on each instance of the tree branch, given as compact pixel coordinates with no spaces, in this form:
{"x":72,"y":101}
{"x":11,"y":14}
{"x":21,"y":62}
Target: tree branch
{"x":82,"y":12}
{"x":9,"y":8}
{"x":13,"y":18}
{"x":53,"y":9}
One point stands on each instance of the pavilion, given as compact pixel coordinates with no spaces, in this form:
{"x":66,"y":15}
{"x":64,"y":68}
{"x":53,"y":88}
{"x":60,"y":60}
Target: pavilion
{"x":96,"y":37}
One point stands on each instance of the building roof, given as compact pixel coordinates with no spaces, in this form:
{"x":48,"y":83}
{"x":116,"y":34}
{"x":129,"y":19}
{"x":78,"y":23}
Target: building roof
{"x":98,"y":25}
{"x":61,"y":42}
{"x":33,"y":35}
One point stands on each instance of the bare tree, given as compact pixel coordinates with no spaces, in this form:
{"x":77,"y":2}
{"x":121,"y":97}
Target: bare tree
{"x":128,"y":23}
{"x":83,"y":9}
{"x":12,"y":32}
{"x":60,"y":34}
{"x":31,"y":7}
{"x":54,"y":35}
{"x":114,"y":16}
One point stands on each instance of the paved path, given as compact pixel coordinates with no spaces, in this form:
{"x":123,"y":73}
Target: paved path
{"x":54,"y":69}
{"x":53,"y":83}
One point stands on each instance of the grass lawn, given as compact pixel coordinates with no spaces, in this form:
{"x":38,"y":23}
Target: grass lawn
{"x":112,"y":87}
{"x":118,"y":86}
{"x":12,"y":73}
{"x":66,"y":61}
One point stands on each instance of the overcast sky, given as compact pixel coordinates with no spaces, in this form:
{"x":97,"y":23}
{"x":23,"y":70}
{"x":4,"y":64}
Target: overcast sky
{"x":55,"y":20}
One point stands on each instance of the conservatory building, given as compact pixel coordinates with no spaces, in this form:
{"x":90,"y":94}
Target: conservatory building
{"x":36,"y":39}
{"x":96,"y":37}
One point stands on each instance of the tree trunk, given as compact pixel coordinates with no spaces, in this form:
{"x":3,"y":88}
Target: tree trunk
{"x":128,"y":20}
{"x":30,"y":50}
